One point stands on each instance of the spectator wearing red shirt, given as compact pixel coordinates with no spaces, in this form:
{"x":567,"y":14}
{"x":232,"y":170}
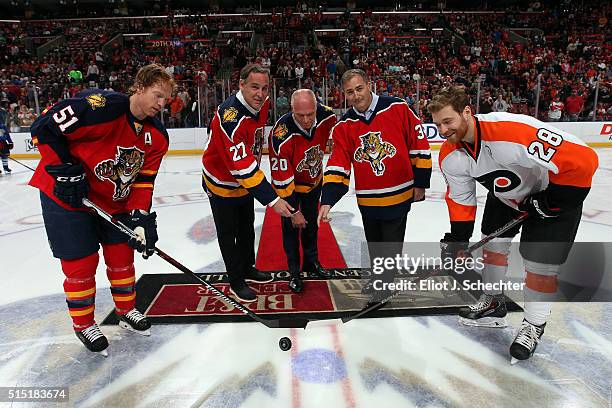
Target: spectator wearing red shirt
{"x":573,"y":106}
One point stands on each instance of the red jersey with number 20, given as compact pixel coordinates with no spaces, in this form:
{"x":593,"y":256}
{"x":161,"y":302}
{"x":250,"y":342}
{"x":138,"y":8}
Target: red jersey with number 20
{"x":296,"y":157}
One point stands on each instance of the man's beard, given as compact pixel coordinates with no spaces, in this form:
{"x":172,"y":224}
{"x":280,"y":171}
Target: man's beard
{"x":460,"y":133}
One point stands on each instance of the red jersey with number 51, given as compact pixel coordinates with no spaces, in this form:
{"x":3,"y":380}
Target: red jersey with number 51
{"x":120,"y":154}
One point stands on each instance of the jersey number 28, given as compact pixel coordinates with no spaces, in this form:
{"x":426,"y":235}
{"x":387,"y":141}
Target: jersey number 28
{"x":537,"y":148}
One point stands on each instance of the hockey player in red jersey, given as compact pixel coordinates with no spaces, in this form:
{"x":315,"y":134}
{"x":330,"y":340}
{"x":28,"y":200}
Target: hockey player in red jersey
{"x":381,"y":140}
{"x":108,"y":147}
{"x":231,"y":177}
{"x":297,"y":146}
{"x":526,"y":165}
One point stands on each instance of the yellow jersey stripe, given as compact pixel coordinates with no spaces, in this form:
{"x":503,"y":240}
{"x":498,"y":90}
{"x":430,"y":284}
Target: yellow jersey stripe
{"x":142,"y":185}
{"x":83,"y":312}
{"x":81,"y":294}
{"x":124,"y":298}
{"x":252,"y":181}
{"x":125,"y":281}
{"x":225,"y":192}
{"x":385,"y":201}
{"x":285,"y":192}
{"x":334,"y":178}
{"x":420,"y":163}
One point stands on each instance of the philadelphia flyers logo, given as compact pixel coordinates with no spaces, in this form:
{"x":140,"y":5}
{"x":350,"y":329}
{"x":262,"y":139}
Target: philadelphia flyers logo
{"x":500,"y":181}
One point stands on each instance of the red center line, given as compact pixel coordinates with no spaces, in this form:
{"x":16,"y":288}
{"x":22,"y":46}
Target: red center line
{"x":295,"y":382}
{"x":347,"y":389}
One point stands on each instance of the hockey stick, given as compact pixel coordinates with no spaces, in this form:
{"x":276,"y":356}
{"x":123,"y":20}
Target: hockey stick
{"x":498,"y":232}
{"x":272,"y":323}
{"x":24,"y":165}
{"x":379,"y":304}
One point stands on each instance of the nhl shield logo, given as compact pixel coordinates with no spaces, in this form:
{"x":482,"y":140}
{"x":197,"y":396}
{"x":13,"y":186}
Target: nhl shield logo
{"x":374,"y":150}
{"x":96,"y":101}
{"x":230,"y":115}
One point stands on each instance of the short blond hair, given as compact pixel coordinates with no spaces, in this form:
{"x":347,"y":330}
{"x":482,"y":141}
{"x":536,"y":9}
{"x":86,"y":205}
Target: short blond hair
{"x":150,"y":75}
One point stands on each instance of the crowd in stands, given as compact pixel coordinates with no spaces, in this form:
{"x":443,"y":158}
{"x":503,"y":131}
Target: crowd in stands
{"x":554,"y":61}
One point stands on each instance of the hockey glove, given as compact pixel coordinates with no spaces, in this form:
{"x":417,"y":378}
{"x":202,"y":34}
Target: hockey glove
{"x":452,"y":248}
{"x":145,"y":226}
{"x":71,"y":185}
{"x":537,"y":205}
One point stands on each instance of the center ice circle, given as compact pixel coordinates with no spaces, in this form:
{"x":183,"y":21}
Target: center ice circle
{"x":319,"y":366}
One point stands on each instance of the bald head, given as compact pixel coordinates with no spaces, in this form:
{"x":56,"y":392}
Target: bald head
{"x":303,"y":98}
{"x":304,"y":107}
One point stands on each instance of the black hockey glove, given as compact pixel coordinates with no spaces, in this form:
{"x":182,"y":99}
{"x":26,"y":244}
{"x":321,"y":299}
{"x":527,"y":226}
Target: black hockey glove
{"x":452,"y":248}
{"x":145,"y":226}
{"x":71,"y":185}
{"x":537,"y":205}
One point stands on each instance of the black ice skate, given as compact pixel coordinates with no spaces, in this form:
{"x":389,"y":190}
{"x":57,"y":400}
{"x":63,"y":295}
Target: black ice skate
{"x":93,"y":339}
{"x":490,"y":311}
{"x":526,"y":341}
{"x":136,"y":322}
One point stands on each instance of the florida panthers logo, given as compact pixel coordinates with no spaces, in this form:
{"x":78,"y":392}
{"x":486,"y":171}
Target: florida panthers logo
{"x":122,"y":171}
{"x":312,"y":161}
{"x":374,"y":150}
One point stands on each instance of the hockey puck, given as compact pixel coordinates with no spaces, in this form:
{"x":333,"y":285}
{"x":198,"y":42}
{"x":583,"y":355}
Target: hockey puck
{"x":284,"y":343}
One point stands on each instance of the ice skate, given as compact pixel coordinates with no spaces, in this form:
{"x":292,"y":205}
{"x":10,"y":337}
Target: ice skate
{"x":93,"y":338}
{"x":136,"y":322}
{"x":526,"y":341}
{"x":490,"y":311}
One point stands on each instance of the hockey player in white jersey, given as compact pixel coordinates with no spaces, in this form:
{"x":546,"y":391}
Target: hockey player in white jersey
{"x":526,"y":165}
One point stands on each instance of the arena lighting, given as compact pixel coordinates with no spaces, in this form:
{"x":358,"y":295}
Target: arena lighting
{"x":322,"y":30}
{"x":235,"y":32}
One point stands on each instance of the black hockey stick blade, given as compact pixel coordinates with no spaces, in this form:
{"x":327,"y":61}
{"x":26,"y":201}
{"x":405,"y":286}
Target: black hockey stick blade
{"x":370,"y":307}
{"x":272,"y":323}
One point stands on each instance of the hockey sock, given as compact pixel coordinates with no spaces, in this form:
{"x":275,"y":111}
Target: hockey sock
{"x":119,"y":259}
{"x":80,"y":289}
{"x":495,"y":259}
{"x":5,"y":163}
{"x":537,"y":312}
{"x":540,"y":291}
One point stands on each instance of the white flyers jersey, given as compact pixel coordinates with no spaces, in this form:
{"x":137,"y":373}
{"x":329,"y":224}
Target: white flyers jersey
{"x":514,"y":156}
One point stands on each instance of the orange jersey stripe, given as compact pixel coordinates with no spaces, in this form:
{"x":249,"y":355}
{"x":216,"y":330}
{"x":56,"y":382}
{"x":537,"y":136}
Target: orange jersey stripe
{"x":460,"y":212}
{"x":142,"y":185}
